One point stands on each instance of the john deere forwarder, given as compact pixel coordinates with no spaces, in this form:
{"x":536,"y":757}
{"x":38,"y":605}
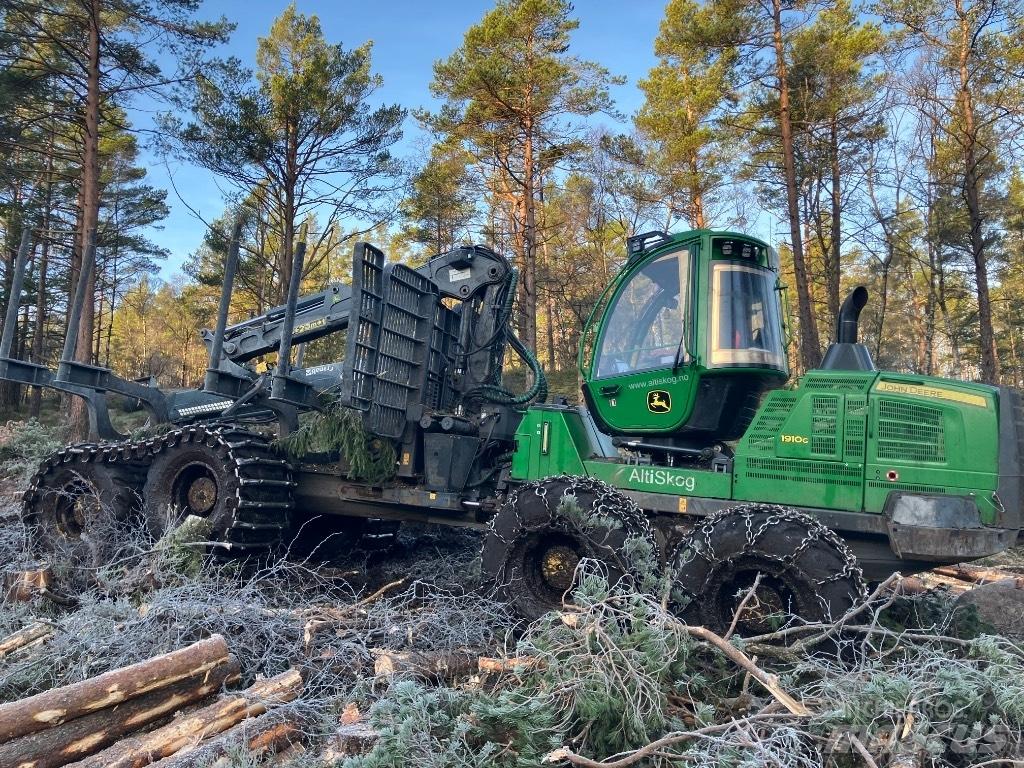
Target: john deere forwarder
{"x":691,"y":446}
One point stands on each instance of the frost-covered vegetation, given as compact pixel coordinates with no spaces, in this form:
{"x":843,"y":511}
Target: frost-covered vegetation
{"x":612,"y":680}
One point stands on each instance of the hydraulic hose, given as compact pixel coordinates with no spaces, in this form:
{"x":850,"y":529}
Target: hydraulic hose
{"x":504,"y":314}
{"x":538,"y":391}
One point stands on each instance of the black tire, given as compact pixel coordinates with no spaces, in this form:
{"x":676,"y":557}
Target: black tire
{"x":190,"y":479}
{"x":80,"y":509}
{"x":228,"y":477}
{"x":805,"y":570}
{"x":534,"y":544}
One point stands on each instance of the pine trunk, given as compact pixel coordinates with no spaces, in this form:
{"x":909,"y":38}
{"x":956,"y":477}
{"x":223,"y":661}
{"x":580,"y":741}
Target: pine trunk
{"x":39,"y":330}
{"x":697,"y":215}
{"x":90,"y":197}
{"x":810,"y":349}
{"x":56,"y":706}
{"x":972,"y":191}
{"x":833,"y":259}
{"x":86,"y":735}
{"x":270,"y":733}
{"x":288,"y":244}
{"x":529,"y":297}
{"x":216,"y":718}
{"x":424,"y":665}
{"x":30,"y":635}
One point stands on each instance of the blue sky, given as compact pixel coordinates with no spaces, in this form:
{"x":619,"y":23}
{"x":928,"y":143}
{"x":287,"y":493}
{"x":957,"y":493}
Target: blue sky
{"x":408,"y":37}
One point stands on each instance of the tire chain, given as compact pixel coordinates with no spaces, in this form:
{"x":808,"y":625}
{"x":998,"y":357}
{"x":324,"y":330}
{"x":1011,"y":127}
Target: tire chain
{"x":610,"y":502}
{"x":259,"y":515}
{"x":816,"y":531}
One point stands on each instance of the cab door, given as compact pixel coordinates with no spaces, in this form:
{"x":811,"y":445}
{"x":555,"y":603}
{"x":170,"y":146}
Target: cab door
{"x":642,"y":377}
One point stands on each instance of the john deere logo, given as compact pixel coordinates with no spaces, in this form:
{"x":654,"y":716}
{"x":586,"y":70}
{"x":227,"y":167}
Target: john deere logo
{"x":659,"y":401}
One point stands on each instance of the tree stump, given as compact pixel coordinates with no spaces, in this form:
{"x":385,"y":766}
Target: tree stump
{"x":22,"y":586}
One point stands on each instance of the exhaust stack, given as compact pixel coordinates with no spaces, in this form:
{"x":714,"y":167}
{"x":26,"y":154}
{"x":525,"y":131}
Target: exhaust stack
{"x":846,"y":353}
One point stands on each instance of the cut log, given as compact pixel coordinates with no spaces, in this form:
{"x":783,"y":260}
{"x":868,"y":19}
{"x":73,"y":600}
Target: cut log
{"x":83,"y":736}
{"x":50,"y":708}
{"x":230,"y":709}
{"x":511,"y":664}
{"x":932,"y":580}
{"x":270,"y":733}
{"x":348,"y":741}
{"x":910,"y":585}
{"x":423,"y":665}
{"x":975,"y":574}
{"x":25,"y":637}
{"x":22,"y":586}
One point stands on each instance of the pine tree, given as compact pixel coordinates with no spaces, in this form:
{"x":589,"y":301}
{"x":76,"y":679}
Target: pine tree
{"x":103,"y":54}
{"x":685,"y":95}
{"x":835,"y":107}
{"x":442,"y":203}
{"x":757,"y":36}
{"x":972,"y":46}
{"x":302,"y":136}
{"x":509,"y":92}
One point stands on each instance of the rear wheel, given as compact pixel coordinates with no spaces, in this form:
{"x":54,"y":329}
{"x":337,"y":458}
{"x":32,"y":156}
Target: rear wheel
{"x":189,"y":480}
{"x":800,"y":568}
{"x":81,"y":507}
{"x":545,"y":529}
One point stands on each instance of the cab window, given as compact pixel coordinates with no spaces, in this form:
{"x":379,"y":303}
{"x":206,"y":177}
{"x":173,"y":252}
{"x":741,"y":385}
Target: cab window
{"x":745,"y":317}
{"x":647,"y":319}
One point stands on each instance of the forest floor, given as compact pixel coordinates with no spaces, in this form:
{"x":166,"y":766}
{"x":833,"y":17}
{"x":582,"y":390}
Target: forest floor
{"x":407,"y":660}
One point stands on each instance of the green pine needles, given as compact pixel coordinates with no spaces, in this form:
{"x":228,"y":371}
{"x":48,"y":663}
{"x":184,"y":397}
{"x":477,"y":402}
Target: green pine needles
{"x":337,"y":429}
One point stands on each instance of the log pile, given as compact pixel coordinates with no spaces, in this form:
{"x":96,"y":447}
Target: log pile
{"x":106,"y":720}
{"x":958,"y":579}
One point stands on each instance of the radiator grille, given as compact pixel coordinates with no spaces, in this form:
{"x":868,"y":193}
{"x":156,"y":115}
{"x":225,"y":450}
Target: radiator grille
{"x":910,"y":432}
{"x":856,"y":427}
{"x":824,"y":424}
{"x":816,"y":472}
{"x":836,"y":383}
{"x":770,"y":418}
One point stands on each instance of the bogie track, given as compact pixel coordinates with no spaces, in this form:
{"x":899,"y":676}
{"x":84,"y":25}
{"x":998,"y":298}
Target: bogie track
{"x":230,"y":475}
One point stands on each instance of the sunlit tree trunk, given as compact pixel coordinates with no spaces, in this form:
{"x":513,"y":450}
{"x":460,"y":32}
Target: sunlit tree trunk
{"x":90,"y":205}
{"x":810,"y":348}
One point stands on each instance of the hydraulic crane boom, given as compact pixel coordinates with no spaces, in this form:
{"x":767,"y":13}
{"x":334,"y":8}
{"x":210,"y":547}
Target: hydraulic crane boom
{"x":472,"y":277}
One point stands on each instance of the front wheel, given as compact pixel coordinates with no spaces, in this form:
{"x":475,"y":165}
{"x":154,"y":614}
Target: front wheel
{"x":545,"y":529}
{"x":800,"y":568}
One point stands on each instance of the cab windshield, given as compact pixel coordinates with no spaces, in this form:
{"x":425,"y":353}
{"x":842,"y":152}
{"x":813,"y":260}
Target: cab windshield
{"x":745,"y":327}
{"x":647,"y":320}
